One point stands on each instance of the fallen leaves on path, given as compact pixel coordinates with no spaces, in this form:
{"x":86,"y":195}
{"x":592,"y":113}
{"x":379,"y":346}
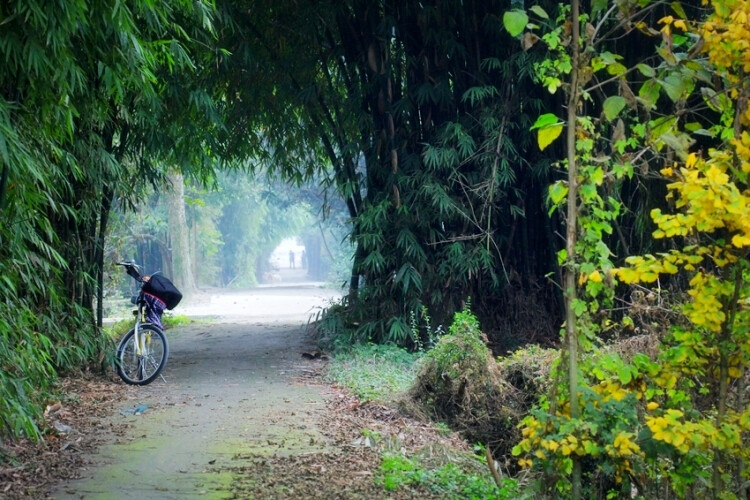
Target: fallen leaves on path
{"x":356,"y":435}
{"x":76,"y":425}
{"x":359,"y":434}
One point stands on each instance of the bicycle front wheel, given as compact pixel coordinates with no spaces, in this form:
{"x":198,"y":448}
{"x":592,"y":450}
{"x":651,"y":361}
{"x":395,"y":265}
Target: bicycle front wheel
{"x":141,"y":364}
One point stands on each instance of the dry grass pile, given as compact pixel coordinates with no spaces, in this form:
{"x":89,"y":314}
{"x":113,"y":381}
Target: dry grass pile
{"x":528,"y":372}
{"x":460,"y":383}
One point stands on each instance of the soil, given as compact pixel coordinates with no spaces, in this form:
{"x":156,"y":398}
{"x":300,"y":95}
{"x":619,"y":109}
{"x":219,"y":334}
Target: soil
{"x":242,"y":411}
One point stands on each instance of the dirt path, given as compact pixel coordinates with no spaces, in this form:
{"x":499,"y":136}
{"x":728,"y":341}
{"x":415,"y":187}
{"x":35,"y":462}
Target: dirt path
{"x":241,"y":415}
{"x":234,"y":388}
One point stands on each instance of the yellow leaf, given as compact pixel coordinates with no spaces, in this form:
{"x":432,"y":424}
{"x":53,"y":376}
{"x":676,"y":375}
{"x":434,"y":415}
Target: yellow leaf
{"x":649,"y":277}
{"x":678,"y":439}
{"x":740,"y":240}
{"x":666,"y":20}
{"x":627,"y":275}
{"x":548,"y":134}
{"x":690,"y":160}
{"x":667,"y":172}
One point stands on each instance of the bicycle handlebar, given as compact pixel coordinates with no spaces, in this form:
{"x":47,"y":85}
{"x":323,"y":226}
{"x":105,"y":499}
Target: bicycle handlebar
{"x":131,"y":268}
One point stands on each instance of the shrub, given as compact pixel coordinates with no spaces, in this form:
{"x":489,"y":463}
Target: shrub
{"x":460,"y":383}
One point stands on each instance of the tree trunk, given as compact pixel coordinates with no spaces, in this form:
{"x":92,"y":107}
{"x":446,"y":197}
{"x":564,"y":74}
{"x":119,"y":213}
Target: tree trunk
{"x":182,"y":269}
{"x":106,"y":205}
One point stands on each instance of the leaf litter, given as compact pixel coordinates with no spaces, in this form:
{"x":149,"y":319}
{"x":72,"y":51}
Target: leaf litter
{"x":357,"y":435}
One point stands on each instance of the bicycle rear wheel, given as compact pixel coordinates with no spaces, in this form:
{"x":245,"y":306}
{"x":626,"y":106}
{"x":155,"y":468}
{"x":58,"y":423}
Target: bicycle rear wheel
{"x":141,"y":367}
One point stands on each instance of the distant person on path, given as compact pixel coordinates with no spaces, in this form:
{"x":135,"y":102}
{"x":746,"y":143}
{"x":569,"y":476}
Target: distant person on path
{"x":304,"y":260}
{"x":291,"y":259}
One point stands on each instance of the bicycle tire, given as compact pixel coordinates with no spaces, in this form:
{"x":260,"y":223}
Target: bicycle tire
{"x":142,"y":370}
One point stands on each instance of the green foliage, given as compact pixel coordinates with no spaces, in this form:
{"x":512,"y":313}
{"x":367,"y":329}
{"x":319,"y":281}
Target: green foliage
{"x":672,"y":424}
{"x":421,"y":328}
{"x":80,"y":103}
{"x":374,"y":372}
{"x":429,"y":162}
{"x":448,"y":481}
{"x":459,"y":353}
{"x":33,"y":350}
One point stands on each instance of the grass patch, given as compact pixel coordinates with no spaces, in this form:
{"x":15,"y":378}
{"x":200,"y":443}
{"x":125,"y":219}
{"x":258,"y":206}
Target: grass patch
{"x":169,"y":320}
{"x":448,"y":481}
{"x":374,"y":372}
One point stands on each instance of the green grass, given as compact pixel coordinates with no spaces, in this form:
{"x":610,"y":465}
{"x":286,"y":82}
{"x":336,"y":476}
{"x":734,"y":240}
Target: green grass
{"x":169,"y":320}
{"x":448,"y":481}
{"x":374,"y":372}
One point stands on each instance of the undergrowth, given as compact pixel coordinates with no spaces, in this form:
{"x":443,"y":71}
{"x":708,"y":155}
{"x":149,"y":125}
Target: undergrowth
{"x":374,"y":372}
{"x":386,"y":372}
{"x":448,"y":481}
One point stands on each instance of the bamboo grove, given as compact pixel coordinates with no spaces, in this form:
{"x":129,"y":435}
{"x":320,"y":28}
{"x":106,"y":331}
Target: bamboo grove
{"x":436,"y":123}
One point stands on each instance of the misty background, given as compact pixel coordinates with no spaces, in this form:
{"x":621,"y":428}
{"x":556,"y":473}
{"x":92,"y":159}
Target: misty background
{"x":235,"y":234}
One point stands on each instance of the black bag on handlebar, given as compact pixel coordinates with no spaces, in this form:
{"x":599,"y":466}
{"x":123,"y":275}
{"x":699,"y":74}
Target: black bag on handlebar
{"x":164,"y":289}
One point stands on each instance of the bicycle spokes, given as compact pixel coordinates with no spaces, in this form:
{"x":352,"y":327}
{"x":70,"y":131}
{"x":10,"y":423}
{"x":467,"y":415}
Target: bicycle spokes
{"x":142,"y":355}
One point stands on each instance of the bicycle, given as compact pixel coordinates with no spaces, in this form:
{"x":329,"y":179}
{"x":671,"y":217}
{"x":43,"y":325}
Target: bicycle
{"x":142,"y":353}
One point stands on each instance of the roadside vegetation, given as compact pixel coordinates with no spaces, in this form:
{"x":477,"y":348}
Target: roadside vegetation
{"x":374,"y":372}
{"x":390,"y":375}
{"x":580,"y":170}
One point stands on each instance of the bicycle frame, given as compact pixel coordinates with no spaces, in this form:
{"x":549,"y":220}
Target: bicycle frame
{"x":140,"y":318}
{"x":137,"y":346}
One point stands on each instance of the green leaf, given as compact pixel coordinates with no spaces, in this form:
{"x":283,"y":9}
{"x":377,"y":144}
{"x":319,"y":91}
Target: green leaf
{"x":515,"y":21}
{"x":676,"y":86}
{"x":711,"y":98}
{"x":545,"y":120}
{"x":649,"y":93}
{"x":616,"y":69}
{"x":624,"y":374}
{"x":557,"y":192}
{"x":579,"y":307}
{"x":539,"y":12}
{"x":663,"y":125}
{"x":646,"y":70}
{"x":609,"y":58}
{"x":597,"y":176}
{"x":613,"y":105}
